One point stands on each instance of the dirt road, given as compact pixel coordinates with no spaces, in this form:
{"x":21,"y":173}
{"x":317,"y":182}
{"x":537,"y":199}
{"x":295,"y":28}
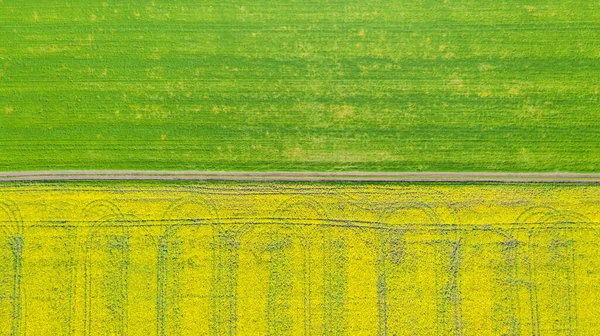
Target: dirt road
{"x":300,"y":176}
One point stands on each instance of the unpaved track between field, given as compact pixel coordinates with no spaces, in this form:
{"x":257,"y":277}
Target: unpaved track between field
{"x":93,"y":175}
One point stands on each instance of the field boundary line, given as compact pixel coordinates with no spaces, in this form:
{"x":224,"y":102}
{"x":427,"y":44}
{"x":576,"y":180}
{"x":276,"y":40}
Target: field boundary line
{"x":125,"y":175}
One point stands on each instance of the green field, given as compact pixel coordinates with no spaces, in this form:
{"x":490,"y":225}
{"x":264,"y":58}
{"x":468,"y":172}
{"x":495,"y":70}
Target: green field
{"x":369,"y":85}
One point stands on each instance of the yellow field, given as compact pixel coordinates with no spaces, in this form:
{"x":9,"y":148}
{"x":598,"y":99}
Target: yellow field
{"x":299,"y":259}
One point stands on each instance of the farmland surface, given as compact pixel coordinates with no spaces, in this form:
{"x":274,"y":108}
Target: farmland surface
{"x":300,"y":85}
{"x":109,"y":258}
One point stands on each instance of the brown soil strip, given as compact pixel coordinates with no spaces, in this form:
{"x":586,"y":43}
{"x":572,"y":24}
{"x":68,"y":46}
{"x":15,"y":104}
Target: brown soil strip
{"x":300,"y":176}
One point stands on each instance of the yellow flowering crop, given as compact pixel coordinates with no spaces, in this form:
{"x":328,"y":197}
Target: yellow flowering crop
{"x":299,"y":259}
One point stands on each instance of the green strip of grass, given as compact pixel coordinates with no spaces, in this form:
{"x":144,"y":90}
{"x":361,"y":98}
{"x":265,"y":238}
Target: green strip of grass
{"x":300,"y":85}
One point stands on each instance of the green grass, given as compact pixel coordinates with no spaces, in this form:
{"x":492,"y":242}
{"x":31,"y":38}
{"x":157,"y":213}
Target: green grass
{"x":300,"y":85}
